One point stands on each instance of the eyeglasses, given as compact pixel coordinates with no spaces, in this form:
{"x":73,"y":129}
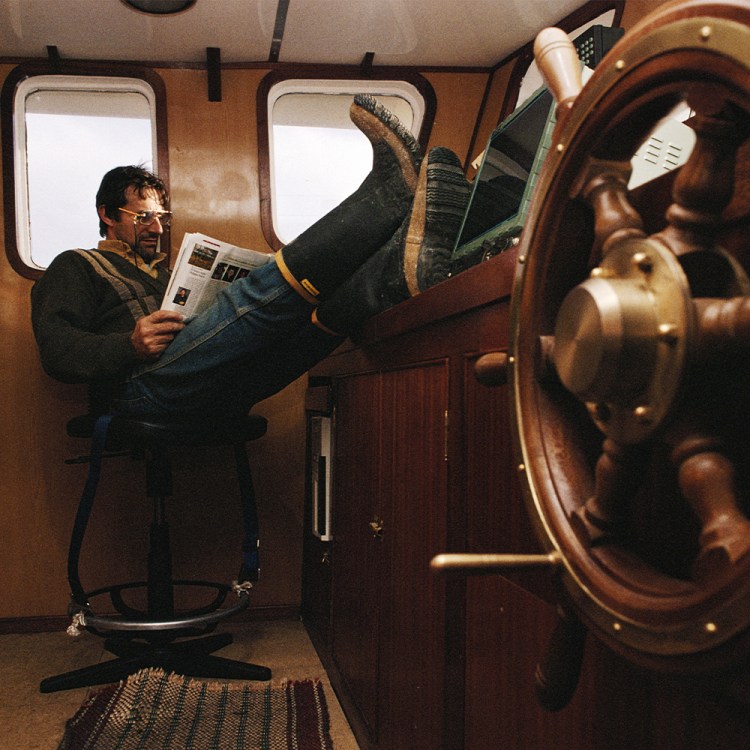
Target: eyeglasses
{"x":148,"y":217}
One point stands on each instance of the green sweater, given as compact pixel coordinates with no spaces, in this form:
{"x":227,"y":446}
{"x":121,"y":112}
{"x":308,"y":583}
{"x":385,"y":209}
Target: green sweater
{"x":83,"y":311}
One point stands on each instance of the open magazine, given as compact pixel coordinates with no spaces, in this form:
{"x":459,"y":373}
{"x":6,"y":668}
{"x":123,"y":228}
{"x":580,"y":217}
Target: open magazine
{"x":203,"y":268}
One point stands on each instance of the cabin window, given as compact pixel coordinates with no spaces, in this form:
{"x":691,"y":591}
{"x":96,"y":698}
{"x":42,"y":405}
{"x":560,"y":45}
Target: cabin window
{"x":316,"y":155}
{"x":67,"y":131}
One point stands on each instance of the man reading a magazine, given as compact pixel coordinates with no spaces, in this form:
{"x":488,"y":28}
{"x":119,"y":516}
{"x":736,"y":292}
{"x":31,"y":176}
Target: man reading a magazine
{"x":96,"y":316}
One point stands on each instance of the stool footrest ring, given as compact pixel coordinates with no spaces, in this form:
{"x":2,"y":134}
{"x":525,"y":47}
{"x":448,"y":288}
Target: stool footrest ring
{"x":85,"y":617}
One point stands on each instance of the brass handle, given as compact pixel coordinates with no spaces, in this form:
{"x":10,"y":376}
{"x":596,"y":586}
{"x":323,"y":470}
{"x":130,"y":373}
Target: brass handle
{"x":559,"y":65}
{"x":472,"y":564}
{"x":376,"y":527}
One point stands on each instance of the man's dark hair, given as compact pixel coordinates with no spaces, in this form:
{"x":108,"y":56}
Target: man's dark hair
{"x":111,"y":193}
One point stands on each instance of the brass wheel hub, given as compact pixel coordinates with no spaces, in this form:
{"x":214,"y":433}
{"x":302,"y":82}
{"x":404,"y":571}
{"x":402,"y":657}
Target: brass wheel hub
{"x":621,"y":338}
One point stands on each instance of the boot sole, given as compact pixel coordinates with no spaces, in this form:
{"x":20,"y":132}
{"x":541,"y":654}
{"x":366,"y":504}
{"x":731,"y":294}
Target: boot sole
{"x":377,"y":123}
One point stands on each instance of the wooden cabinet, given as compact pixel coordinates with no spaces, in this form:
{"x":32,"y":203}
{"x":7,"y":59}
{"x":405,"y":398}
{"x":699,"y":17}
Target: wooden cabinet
{"x":393,"y":645}
{"x":423,"y":464}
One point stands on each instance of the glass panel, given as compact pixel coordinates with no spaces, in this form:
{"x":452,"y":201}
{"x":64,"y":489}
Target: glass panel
{"x":502,"y":190}
{"x":70,"y":134}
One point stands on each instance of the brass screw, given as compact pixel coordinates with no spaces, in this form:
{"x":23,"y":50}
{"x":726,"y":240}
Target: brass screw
{"x":643,"y":262}
{"x":668,"y":333}
{"x":642,"y":414}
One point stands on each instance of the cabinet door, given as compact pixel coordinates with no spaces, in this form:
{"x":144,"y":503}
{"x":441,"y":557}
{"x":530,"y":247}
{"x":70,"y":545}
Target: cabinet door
{"x":357,"y":547}
{"x":390,"y":477}
{"x":414,"y":483}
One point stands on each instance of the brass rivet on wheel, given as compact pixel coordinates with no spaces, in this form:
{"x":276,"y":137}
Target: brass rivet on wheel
{"x":642,"y":414}
{"x":668,"y":333}
{"x":620,"y":65}
{"x":521,"y":467}
{"x":706,"y":32}
{"x":616,"y":626}
{"x":560,"y":148}
{"x":711,"y":627}
{"x":643,"y":262}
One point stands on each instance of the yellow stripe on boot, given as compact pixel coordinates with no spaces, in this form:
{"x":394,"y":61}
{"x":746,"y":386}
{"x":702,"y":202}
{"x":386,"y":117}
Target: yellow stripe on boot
{"x":304,"y":287}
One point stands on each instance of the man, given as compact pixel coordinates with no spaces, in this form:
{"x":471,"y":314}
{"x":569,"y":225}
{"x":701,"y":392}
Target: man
{"x":95,"y":313}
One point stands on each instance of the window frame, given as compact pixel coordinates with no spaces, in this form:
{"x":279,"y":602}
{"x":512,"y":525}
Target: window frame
{"x":327,"y":81}
{"x":21,"y":75}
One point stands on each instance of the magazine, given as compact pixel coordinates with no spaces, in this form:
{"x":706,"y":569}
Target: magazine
{"x":203,"y":268}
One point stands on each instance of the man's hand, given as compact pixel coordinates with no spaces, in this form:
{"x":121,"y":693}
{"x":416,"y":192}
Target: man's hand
{"x":153,"y":334}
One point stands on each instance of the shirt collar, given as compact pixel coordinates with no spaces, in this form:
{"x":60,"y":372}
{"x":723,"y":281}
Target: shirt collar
{"x":125,"y":251}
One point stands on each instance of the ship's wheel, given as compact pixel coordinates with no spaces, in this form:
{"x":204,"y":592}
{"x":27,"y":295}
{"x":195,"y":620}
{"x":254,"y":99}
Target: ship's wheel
{"x":630,"y":345}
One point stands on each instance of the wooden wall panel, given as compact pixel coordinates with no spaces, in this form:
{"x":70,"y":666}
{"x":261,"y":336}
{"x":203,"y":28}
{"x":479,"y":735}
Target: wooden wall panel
{"x":459,"y":96}
{"x":490,"y":116}
{"x":214,"y":156}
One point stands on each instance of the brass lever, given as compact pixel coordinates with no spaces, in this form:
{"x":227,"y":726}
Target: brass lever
{"x":483,"y":564}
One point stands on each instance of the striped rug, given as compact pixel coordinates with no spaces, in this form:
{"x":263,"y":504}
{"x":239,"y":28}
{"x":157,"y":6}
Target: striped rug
{"x":152,"y":709}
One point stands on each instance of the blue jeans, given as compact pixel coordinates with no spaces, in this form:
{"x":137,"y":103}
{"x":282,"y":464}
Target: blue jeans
{"x":254,"y":340}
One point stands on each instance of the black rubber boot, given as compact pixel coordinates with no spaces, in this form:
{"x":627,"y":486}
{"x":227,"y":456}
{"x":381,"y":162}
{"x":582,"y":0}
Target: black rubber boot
{"x":332,"y":249}
{"x":418,"y":255}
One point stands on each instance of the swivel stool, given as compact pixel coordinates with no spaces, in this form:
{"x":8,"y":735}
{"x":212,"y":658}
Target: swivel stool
{"x":159,"y":635}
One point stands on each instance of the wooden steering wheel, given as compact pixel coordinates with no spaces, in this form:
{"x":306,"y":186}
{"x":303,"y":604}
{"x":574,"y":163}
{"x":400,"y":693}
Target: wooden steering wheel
{"x":630,"y":344}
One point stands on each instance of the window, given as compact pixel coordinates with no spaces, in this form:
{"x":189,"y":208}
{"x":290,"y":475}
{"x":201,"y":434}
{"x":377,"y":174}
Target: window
{"x":67,"y":131}
{"x":316,"y":155}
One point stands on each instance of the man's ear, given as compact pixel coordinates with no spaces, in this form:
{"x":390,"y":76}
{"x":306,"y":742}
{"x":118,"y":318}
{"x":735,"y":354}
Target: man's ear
{"x":101,"y":210}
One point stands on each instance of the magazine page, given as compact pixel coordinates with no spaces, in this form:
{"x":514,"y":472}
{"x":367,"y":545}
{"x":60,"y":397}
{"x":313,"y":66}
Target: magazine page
{"x":204,"y":267}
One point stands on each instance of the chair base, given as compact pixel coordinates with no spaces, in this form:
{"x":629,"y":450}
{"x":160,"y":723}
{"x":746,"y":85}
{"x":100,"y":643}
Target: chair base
{"x":160,"y":636}
{"x":193,"y":658}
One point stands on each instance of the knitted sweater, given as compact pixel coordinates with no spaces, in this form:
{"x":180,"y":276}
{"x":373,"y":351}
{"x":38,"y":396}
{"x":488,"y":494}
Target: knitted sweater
{"x":84,"y":309}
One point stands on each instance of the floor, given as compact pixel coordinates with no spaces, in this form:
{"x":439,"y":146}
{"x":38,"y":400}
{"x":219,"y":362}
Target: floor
{"x":30,"y":720}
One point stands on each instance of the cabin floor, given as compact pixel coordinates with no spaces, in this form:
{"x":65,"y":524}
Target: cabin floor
{"x":35,"y":721}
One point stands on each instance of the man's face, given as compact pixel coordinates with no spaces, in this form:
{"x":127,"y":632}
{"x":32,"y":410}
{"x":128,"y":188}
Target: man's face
{"x":144,"y":239}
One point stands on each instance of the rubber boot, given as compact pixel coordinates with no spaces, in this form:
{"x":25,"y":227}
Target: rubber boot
{"x":418,"y":255}
{"x":329,"y":252}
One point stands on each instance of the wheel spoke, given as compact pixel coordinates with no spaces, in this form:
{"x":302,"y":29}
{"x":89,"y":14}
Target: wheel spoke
{"x":705,"y":184}
{"x":605,"y":188}
{"x":707,"y":481}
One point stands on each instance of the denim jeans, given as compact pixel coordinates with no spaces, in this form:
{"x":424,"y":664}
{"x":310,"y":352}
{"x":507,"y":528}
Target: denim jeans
{"x":254,"y":340}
